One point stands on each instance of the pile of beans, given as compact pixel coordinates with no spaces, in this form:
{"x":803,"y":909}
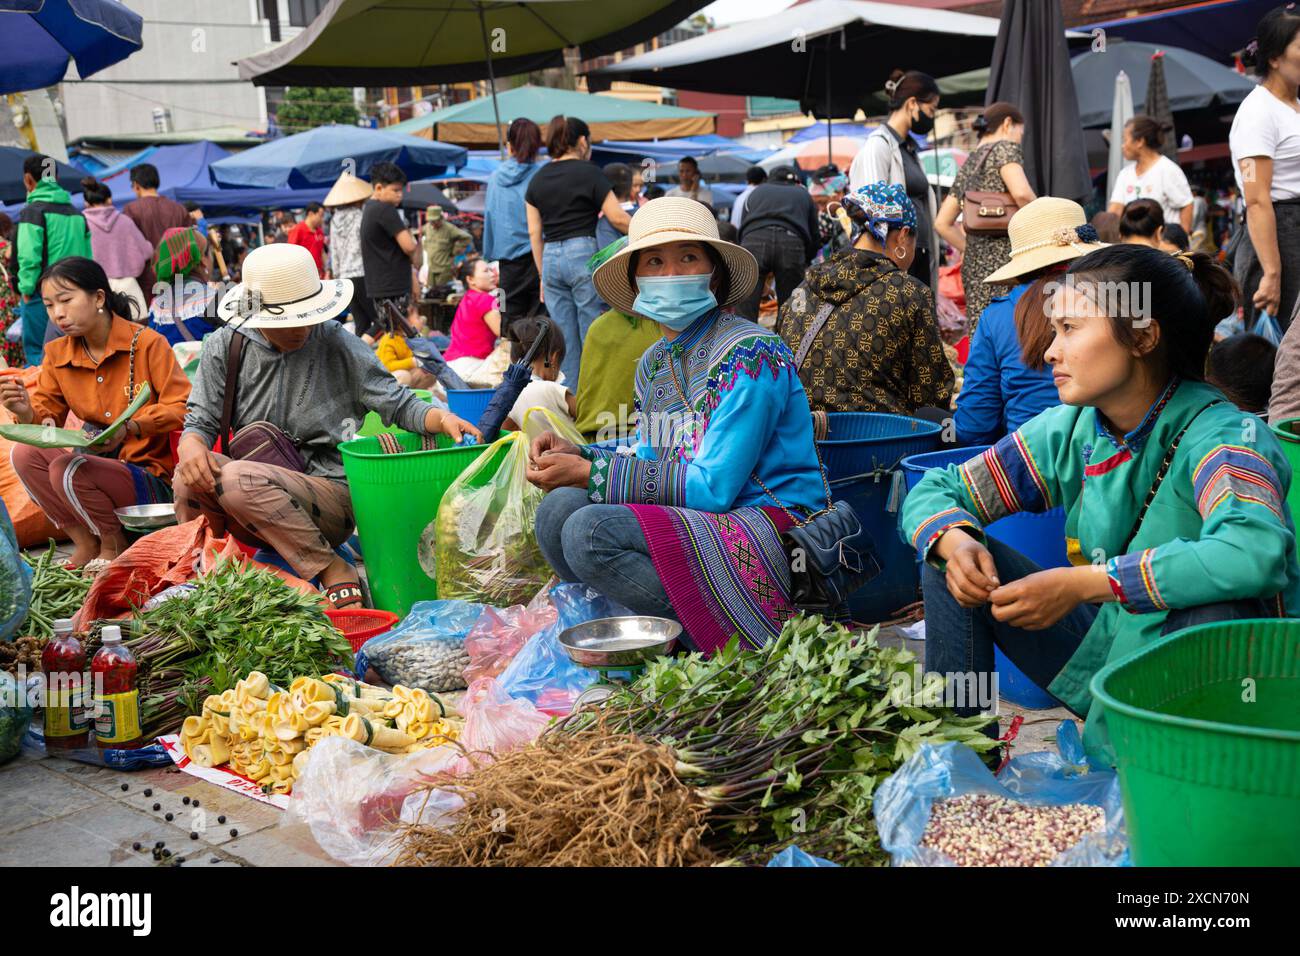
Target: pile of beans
{"x":433,"y":666}
{"x":983,"y":830}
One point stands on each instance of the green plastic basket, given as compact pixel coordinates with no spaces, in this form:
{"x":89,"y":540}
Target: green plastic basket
{"x":374,"y":425}
{"x":1288,"y":436}
{"x":394,"y":497}
{"x":1206,"y":729}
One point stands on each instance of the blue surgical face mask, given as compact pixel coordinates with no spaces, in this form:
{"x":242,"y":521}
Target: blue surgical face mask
{"x":674,"y":301}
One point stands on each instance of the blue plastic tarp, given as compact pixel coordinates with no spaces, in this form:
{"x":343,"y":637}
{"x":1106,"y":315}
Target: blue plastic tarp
{"x":318,"y":156}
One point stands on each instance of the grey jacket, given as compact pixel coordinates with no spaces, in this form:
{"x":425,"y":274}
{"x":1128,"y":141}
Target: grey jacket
{"x":880,"y":160}
{"x":319,"y":394}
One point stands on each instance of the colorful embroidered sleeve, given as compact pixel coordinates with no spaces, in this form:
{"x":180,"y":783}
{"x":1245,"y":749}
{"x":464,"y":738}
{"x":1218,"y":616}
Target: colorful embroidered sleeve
{"x":1246,"y":539}
{"x":753,"y":384}
{"x":1017,"y":474}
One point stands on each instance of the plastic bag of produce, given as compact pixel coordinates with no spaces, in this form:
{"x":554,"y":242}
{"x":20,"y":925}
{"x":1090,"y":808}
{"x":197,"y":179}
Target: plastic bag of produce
{"x":426,"y":650}
{"x":15,"y":715}
{"x":792,"y":856}
{"x":500,"y":634}
{"x":15,"y":580}
{"x":482,"y":538}
{"x":542,"y":673}
{"x":353,"y":797}
{"x":906,"y":802}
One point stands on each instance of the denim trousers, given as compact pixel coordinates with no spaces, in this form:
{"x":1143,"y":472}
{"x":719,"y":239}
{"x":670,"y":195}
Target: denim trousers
{"x":603,"y":547}
{"x":960,"y":640}
{"x":571,"y":298}
{"x":781,"y":252}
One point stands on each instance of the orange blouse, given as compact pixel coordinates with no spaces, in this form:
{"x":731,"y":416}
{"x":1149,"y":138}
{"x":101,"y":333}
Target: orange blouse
{"x":70,"y":381}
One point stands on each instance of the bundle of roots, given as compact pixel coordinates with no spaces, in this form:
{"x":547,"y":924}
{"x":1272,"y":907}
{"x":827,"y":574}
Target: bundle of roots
{"x":589,"y":799}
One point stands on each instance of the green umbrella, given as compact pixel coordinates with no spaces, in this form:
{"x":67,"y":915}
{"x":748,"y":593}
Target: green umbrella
{"x":416,"y":42}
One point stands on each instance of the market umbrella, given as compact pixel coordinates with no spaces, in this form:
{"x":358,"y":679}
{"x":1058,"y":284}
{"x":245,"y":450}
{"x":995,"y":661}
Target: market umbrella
{"x":1216,"y":29}
{"x":1121,"y":112}
{"x":11,"y":174}
{"x":39,"y":37}
{"x":421,"y":196}
{"x":317,"y":157}
{"x":1157,"y":104}
{"x":422,"y":42}
{"x":1031,"y":68}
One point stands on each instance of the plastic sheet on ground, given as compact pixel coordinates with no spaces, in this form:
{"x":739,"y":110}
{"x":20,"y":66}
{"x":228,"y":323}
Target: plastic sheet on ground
{"x":353,"y":797}
{"x":792,"y":856}
{"x":902,"y":804}
{"x":542,"y":673}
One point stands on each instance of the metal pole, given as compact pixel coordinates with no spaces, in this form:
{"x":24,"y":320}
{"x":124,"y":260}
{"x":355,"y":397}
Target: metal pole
{"x":492,"y":80}
{"x":830,"y":147}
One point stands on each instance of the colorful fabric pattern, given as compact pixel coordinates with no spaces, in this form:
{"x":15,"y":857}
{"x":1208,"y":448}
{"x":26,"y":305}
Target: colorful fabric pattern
{"x":1133,"y":582}
{"x":879,"y":207}
{"x":725,"y":574}
{"x":925,"y":535}
{"x":1233,"y":471}
{"x":1005,"y":480}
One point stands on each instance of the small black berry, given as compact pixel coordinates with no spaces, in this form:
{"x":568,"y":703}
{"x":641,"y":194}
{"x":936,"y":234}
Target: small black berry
{"x":125,"y":787}
{"x":194,"y":802}
{"x":148,"y":792}
{"x":193,"y":835}
{"x":234,"y":833}
{"x":157,"y":806}
{"x":221,"y":819}
{"x":169,"y":817}
{"x":136,"y":845}
{"x":185,"y":800}
{"x":159,"y":845}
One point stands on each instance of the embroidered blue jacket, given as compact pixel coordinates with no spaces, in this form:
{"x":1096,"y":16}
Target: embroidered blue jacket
{"x":748,"y":415}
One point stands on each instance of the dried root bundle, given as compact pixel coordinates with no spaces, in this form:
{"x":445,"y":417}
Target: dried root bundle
{"x":590,"y":799}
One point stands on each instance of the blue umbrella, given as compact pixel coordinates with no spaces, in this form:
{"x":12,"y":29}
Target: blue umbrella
{"x":37,"y":37}
{"x":11,"y":175}
{"x":318,"y":156}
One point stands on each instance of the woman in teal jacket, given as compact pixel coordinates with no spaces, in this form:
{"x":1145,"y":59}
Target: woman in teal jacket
{"x":1175,"y":499}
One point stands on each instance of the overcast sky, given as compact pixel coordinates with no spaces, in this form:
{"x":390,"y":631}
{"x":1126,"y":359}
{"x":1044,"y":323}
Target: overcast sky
{"x":730,"y":11}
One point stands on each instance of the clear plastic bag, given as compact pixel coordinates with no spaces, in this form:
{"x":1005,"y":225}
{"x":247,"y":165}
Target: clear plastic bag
{"x":1267,"y":326}
{"x":426,"y":650}
{"x":792,"y":856}
{"x":542,"y":673}
{"x":902,"y":804}
{"x":482,"y":538}
{"x":500,"y":634}
{"x":15,"y":716}
{"x":354,"y":798}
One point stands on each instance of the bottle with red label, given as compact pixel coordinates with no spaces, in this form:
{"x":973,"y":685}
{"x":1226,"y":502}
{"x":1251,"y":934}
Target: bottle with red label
{"x":63,"y":663}
{"x":117,"y":702}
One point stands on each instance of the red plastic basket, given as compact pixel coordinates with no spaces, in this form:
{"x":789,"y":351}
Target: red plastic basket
{"x":361,"y":624}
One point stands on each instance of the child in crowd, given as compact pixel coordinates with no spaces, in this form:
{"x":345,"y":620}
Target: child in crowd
{"x":396,"y":355}
{"x":543,"y":391}
{"x":1174,"y":238}
{"x":1241,"y":367}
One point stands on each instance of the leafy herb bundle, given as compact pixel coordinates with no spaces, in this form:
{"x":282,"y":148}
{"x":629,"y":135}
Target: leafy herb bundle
{"x":788,"y":743}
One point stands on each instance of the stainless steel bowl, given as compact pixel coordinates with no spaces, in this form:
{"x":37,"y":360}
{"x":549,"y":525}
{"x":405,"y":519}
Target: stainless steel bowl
{"x":146,"y":517}
{"x":620,"y":641}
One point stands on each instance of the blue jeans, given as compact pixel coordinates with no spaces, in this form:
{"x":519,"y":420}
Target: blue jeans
{"x":603,"y":547}
{"x":571,"y":298}
{"x":35,"y":319}
{"x":960,"y":640}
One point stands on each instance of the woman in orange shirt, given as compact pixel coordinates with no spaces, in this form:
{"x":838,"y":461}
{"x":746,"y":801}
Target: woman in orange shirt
{"x":94,"y":370}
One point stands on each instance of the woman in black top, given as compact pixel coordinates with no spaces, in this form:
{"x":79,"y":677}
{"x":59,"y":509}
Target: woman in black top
{"x":564,"y":199}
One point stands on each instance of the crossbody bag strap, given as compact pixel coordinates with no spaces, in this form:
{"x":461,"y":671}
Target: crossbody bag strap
{"x":233,"y":360}
{"x":818,"y":323}
{"x":130,"y":387}
{"x":1160,"y":477}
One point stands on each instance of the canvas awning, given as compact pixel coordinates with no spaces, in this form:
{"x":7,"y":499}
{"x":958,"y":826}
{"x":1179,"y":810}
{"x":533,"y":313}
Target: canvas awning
{"x":474,"y":122}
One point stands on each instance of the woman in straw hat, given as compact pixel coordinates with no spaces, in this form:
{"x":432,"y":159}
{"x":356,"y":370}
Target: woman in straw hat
{"x":1007,"y":381}
{"x":314,"y":382}
{"x":690,"y":526}
{"x":1174,"y":516}
{"x":862,"y":329}
{"x":344,"y":201}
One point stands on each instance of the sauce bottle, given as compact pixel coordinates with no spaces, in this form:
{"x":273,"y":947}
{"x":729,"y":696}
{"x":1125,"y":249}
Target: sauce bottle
{"x":117,"y":702}
{"x":64,"y":662}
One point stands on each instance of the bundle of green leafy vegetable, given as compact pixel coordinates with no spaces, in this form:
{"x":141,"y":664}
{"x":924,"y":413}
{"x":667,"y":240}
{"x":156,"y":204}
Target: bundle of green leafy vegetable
{"x":235,"y":620}
{"x":788,"y":743}
{"x":56,"y":592}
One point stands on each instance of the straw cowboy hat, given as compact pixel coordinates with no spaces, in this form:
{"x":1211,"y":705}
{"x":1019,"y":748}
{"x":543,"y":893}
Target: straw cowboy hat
{"x":346,"y":190}
{"x":1043,"y":233}
{"x":283,"y":290}
{"x":673,"y":219}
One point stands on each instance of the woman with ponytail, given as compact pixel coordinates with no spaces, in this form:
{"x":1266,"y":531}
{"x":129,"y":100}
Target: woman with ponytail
{"x":94,"y":371}
{"x":1175,"y":499}
{"x":563,"y":201}
{"x":117,"y":244}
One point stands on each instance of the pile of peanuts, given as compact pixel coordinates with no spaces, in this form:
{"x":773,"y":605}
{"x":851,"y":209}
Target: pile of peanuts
{"x":983,"y":830}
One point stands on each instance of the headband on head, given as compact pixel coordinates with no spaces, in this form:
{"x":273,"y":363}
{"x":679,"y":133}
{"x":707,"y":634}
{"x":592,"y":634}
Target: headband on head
{"x":1186,"y":260}
{"x":876,"y":207}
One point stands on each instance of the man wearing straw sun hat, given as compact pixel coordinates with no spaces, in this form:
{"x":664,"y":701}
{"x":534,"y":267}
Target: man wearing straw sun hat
{"x":689,"y":527}
{"x":306,"y":385}
{"x":1007,"y":381}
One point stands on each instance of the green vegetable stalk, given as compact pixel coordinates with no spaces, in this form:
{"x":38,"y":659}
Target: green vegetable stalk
{"x":56,"y":592}
{"x":788,"y":743}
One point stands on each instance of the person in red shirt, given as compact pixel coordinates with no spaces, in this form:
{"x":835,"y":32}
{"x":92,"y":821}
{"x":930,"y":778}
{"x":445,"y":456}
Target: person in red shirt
{"x":310,"y":234}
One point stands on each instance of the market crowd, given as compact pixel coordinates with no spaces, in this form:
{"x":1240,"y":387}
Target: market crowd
{"x":726,"y":330}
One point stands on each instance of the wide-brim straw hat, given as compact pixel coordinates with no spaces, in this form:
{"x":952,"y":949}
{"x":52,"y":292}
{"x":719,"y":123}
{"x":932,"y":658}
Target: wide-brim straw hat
{"x":283,"y":290}
{"x":1043,"y":233}
{"x":674,"y":219}
{"x":346,"y":190}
